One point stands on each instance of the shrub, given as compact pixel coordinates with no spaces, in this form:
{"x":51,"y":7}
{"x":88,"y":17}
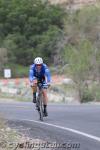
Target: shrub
{"x":87,"y":96}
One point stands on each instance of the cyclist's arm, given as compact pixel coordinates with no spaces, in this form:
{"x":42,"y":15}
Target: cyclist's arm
{"x":48,"y":74}
{"x":31,"y":73}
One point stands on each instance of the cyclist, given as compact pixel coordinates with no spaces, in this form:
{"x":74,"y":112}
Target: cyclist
{"x":40,"y":72}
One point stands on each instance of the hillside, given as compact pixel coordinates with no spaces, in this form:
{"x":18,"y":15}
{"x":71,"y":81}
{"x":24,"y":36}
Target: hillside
{"x":68,"y":41}
{"x":74,"y":3}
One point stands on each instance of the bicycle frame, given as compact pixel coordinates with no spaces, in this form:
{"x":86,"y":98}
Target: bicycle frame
{"x":39,"y":101}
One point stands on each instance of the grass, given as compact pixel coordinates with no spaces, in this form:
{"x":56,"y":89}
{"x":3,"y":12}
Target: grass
{"x":6,"y":135}
{"x":10,"y":139}
{"x":2,"y":122}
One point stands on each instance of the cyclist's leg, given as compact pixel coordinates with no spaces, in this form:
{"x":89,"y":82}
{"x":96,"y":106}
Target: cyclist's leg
{"x":34,"y":90}
{"x":45,"y":97}
{"x":45,"y":101}
{"x":44,"y":91}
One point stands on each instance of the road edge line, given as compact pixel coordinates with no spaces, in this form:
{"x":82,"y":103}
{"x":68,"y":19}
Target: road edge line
{"x":65,"y":128}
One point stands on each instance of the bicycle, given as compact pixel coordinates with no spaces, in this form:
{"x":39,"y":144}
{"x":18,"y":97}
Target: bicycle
{"x":39,"y":100}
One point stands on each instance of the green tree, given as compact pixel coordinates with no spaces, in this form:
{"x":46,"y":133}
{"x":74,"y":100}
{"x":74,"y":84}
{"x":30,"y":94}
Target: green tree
{"x":29,"y":27}
{"x":79,"y":59}
{"x":3,"y":58}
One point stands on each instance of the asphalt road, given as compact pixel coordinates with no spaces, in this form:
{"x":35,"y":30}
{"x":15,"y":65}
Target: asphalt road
{"x":73,"y":127}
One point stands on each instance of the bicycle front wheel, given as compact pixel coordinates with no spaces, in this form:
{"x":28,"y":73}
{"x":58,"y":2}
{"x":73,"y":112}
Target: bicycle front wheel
{"x":41,"y":108}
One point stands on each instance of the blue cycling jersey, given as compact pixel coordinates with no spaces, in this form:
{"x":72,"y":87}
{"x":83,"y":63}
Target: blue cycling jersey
{"x":41,"y":75}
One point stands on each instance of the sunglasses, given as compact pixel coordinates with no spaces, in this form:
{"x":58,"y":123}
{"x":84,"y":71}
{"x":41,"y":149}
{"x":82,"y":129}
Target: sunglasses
{"x":38,"y":65}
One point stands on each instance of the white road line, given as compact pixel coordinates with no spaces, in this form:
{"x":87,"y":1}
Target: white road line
{"x":67,"y":129}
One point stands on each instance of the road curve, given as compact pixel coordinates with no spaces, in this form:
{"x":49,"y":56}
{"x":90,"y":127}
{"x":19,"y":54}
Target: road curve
{"x":72,"y":124}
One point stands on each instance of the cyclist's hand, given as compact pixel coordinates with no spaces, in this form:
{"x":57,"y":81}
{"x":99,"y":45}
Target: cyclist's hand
{"x":48,"y":84}
{"x":33,"y":83}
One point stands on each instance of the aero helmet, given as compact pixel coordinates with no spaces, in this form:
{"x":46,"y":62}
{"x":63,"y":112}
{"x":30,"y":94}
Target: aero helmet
{"x":38,"y":60}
